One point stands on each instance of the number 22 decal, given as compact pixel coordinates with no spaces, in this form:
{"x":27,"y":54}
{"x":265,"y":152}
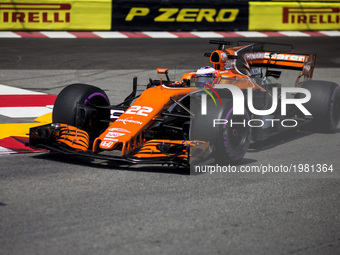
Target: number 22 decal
{"x":139,"y":110}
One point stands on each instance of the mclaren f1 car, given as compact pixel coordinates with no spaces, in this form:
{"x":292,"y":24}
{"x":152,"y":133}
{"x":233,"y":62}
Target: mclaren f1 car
{"x":214,"y":113}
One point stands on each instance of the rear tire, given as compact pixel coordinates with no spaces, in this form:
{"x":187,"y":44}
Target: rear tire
{"x":66,"y":108}
{"x":324,"y":105}
{"x":230,"y":142}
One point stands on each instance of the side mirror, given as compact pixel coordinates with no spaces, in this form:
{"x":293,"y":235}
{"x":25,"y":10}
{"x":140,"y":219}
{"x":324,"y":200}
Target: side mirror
{"x":164,"y":71}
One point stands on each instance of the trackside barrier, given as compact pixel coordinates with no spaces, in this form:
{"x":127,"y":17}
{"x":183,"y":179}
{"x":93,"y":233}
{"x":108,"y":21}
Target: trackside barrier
{"x":171,"y":15}
{"x":294,"y":15}
{"x":55,"y":15}
{"x":179,"y":15}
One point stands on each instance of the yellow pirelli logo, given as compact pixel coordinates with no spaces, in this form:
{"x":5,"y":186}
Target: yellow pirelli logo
{"x":293,"y":16}
{"x":35,"y":13}
{"x":55,"y":15}
{"x":311,"y":15}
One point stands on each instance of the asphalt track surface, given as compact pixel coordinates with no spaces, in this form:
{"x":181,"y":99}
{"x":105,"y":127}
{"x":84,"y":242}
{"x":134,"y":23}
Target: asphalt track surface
{"x":56,"y":204}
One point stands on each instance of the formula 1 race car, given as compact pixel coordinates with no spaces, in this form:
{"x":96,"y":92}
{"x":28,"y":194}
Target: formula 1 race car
{"x":211,"y":114}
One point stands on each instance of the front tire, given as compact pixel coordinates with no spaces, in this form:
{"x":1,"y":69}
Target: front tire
{"x":73,"y":107}
{"x":234,"y":136}
{"x":229,"y":138}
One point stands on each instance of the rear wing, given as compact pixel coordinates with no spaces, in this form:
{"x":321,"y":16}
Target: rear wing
{"x":280,"y":60}
{"x":250,"y":56}
{"x":301,"y":62}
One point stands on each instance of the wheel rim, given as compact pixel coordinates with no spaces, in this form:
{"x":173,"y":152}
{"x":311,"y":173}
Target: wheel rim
{"x":94,"y":126}
{"x":235,"y":136}
{"x":97,"y":97}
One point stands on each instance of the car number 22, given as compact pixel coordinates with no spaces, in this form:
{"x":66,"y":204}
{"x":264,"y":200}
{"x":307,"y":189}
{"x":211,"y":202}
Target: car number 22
{"x":139,"y":110}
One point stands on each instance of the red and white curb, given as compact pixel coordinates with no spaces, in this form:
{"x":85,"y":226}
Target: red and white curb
{"x":18,"y":103}
{"x":160,"y":34}
{"x":15,"y":144}
{"x":22,"y":103}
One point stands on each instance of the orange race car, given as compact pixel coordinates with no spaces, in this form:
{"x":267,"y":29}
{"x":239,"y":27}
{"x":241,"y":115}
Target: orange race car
{"x":213,"y":113}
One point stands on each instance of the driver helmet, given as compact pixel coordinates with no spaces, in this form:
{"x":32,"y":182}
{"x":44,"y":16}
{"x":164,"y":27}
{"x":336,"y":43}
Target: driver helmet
{"x":205,"y":75}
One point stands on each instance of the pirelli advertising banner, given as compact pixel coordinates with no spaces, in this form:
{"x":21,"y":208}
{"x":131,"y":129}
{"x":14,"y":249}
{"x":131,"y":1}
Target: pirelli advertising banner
{"x":55,"y":15}
{"x":294,"y":15}
{"x":179,"y":15}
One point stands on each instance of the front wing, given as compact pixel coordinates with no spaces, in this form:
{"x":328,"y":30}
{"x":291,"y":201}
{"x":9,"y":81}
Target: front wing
{"x":73,"y":141}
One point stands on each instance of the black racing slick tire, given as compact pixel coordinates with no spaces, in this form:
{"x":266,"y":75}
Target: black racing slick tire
{"x":74,"y":106}
{"x":324,"y":105}
{"x":229,"y":134}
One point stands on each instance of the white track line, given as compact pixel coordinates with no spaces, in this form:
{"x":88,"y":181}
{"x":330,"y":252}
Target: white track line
{"x":7,"y":90}
{"x":294,"y":34}
{"x":58,"y":34}
{"x":160,"y":34}
{"x":24,"y":112}
{"x":110,"y":35}
{"x":251,"y":34}
{"x":7,"y":34}
{"x":331,"y":33}
{"x":6,"y":151}
{"x":207,"y":34}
